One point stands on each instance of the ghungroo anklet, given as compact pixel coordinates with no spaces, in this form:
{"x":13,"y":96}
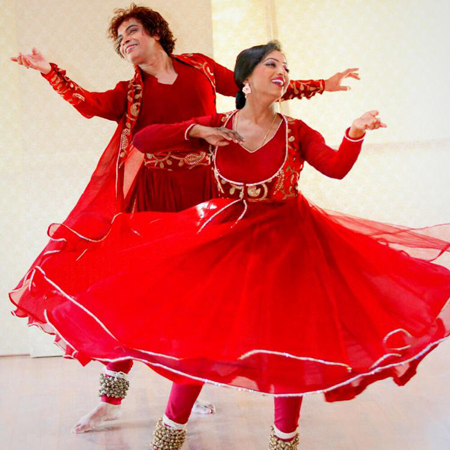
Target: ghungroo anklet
{"x":167,"y":438}
{"x":115,"y":386}
{"x":278,"y":444}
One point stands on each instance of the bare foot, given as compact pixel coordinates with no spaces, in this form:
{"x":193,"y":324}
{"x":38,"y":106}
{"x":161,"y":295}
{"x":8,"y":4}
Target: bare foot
{"x":101,"y":413}
{"x":201,"y":407}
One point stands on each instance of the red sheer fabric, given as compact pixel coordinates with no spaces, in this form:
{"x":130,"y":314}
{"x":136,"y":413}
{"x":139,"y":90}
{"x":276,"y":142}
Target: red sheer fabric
{"x":260,"y":290}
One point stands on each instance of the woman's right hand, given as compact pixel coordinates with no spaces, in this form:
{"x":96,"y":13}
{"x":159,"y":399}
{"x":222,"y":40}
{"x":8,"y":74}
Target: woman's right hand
{"x":36,"y":60}
{"x":368,"y":121}
{"x":219,"y":136}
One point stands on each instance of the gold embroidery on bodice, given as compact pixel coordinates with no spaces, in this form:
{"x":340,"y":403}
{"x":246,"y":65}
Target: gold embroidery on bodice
{"x":282,"y":185}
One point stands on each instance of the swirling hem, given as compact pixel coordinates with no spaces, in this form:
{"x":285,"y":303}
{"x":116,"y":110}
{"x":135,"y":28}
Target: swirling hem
{"x":51,"y":329}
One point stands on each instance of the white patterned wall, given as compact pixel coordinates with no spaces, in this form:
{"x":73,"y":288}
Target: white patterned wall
{"x":401,"y":47}
{"x":13,"y":335}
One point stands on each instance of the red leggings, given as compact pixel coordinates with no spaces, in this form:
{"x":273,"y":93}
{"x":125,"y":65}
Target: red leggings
{"x":183,"y":397}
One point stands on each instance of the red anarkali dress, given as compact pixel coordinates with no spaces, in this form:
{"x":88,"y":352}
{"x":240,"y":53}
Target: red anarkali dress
{"x":126,"y":180}
{"x":260,"y":289}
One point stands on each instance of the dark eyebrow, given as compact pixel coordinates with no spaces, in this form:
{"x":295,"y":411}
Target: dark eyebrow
{"x":275,"y":59}
{"x":119,"y":36}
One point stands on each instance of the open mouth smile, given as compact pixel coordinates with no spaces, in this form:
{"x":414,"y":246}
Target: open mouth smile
{"x":130,"y":48}
{"x":279,"y":81}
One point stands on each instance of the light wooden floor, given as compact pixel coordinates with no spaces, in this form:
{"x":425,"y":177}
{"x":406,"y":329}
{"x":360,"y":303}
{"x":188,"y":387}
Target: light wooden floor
{"x":41,"y":399}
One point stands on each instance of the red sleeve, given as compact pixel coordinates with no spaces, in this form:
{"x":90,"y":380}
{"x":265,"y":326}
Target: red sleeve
{"x":304,"y":89}
{"x":173,"y":137}
{"x":299,"y":89}
{"x":225,"y":84}
{"x":332,"y":163}
{"x":109,"y":105}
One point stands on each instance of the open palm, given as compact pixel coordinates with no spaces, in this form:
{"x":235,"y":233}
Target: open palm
{"x":34,"y":60}
{"x":369,"y":121}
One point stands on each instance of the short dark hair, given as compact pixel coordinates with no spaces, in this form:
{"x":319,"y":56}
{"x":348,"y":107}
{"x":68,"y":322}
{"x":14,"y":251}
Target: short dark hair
{"x":246,"y":62}
{"x":153,"y":23}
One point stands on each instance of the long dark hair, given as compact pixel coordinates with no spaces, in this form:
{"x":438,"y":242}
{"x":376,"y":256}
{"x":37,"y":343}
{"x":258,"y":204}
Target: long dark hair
{"x":246,"y":62}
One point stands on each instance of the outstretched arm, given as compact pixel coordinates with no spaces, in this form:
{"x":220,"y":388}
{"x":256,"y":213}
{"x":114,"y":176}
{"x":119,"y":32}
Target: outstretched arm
{"x":332,"y":163}
{"x":309,"y":88}
{"x":299,"y":89}
{"x":109,"y":105}
{"x":185,"y":136}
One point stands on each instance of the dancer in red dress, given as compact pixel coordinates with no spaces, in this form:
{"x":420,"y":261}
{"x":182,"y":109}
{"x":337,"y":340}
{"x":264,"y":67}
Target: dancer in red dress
{"x":290,"y":299}
{"x":166,"y":88}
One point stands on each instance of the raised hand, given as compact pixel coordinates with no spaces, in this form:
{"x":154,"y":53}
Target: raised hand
{"x":215,"y":136}
{"x":35,"y":60}
{"x":334,"y":83}
{"x":368,"y":121}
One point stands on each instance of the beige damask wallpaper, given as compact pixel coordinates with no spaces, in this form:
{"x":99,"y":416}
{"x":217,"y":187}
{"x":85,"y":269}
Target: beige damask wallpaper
{"x":401,"y":48}
{"x":48,"y":150}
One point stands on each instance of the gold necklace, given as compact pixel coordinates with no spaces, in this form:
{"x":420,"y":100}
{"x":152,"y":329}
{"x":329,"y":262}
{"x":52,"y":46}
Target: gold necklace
{"x":265,"y":137}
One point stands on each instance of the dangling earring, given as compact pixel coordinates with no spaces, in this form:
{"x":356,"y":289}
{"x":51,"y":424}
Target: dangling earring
{"x":246,"y":89}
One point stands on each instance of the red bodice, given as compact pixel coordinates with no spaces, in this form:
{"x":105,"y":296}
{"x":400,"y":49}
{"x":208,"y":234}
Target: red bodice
{"x":269,"y":174}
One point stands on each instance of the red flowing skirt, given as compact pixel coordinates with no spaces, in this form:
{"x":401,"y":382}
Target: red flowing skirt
{"x":284,"y":299}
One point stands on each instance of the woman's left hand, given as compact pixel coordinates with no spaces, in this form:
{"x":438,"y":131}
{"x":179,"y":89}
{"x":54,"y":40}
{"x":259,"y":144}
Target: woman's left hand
{"x":334,"y":83}
{"x":368,"y":121}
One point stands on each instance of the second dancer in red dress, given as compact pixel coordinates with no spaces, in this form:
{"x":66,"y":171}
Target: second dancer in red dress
{"x":290,"y":299}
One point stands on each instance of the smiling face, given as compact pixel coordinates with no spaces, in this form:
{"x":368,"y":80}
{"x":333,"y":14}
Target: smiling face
{"x":135,"y":44}
{"x":271,"y":75}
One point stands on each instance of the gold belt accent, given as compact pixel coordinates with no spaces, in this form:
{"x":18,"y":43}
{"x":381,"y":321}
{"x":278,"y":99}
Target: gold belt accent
{"x":170,"y":161}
